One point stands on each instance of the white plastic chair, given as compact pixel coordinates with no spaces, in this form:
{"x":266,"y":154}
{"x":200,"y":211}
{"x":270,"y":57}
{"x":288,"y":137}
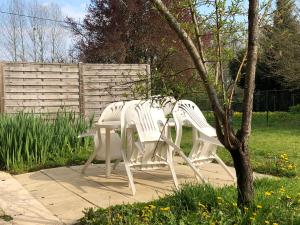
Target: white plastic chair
{"x":111,"y":113}
{"x":167,"y":103}
{"x":205,"y":141}
{"x":151,"y":151}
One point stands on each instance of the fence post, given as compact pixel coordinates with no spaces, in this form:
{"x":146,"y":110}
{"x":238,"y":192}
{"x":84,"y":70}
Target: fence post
{"x":2,"y":88}
{"x":81,"y":90}
{"x":149,"y":83}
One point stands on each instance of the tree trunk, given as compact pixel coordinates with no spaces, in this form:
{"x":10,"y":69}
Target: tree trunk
{"x":244,"y":175}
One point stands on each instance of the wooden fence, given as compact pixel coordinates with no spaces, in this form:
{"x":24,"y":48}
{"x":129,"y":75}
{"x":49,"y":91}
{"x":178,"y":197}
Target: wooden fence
{"x":82,"y":88}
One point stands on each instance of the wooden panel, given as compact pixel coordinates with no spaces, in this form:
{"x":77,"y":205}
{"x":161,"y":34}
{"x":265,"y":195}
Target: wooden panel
{"x":2,"y":88}
{"x":115,"y":67}
{"x":30,"y":96}
{"x":65,"y":69}
{"x":84,"y":88}
{"x":112,"y":73}
{"x":42,"y":89}
{"x":40,"y":75}
{"x":45,"y":82}
{"x":29,"y":103}
{"x":41,"y":109}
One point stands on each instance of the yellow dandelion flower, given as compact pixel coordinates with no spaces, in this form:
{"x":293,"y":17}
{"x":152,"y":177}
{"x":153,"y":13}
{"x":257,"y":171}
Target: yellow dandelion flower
{"x":275,"y":223}
{"x":201,"y":205}
{"x":267,"y":222}
{"x":152,"y":206}
{"x":254,"y":214}
{"x":267,"y":193}
{"x":259,"y":206}
{"x":165,"y":209}
{"x":234,"y":204}
{"x":290,"y":166}
{"x":282,"y":189}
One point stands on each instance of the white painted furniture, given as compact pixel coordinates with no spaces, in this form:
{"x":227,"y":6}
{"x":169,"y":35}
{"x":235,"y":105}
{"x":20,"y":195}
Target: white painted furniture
{"x":151,"y":151}
{"x":205,"y":141}
{"x":107,"y":143}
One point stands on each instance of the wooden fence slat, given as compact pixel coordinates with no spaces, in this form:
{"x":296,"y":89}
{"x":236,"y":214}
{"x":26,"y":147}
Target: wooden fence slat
{"x":40,"y":75}
{"x":70,"y":69}
{"x":43,"y":96}
{"x":30,"y":103}
{"x":42,"y":109}
{"x":2,"y":88}
{"x":41,"y":89}
{"x":83,"y":88}
{"x":41,"y":83}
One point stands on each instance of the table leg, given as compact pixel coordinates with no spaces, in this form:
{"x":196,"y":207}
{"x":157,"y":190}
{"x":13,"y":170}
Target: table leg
{"x":107,"y":145}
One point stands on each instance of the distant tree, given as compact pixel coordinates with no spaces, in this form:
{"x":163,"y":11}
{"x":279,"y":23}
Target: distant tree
{"x":34,"y":38}
{"x":13,"y":27}
{"x":57,"y":34}
{"x":131,"y":31}
{"x":281,"y":44}
{"x":278,"y":64}
{"x":265,"y":79}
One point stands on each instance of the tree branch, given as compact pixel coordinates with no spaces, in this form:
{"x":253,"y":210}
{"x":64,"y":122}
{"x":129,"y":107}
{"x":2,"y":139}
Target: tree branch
{"x":191,"y":48}
{"x":251,"y":67}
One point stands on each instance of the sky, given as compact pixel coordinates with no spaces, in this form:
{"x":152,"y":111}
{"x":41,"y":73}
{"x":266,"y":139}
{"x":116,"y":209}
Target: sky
{"x":76,"y":9}
{"x":71,"y":8}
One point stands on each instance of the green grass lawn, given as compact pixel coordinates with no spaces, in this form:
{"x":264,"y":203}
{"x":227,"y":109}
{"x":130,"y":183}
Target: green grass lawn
{"x":30,"y":143}
{"x":274,"y":146}
{"x":281,"y":135}
{"x":276,"y":202}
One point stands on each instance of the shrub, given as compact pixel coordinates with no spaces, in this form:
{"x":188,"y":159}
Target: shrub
{"x":28,"y":141}
{"x":295,"y":109}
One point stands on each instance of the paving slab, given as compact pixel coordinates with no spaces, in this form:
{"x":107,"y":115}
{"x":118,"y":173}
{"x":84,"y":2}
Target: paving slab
{"x":66,"y":192}
{"x":18,"y":203}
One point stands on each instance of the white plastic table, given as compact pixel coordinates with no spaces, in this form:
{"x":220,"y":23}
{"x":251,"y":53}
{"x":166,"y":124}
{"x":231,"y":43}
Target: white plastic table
{"x":108,"y":126}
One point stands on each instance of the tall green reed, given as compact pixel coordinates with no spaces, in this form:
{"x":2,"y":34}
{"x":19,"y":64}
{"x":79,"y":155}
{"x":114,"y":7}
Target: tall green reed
{"x":28,"y":140}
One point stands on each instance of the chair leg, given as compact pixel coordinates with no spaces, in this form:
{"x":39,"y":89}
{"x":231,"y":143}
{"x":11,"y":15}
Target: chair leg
{"x":220,"y":161}
{"x":194,"y":168}
{"x":88,"y":162}
{"x":177,"y":149}
{"x":129,"y":174}
{"x":171,"y":166}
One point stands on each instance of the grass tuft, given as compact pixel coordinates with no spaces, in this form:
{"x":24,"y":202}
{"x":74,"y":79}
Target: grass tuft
{"x":203,"y":204}
{"x":29,"y":142}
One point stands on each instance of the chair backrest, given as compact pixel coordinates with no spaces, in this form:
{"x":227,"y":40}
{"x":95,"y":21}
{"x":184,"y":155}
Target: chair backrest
{"x":150,"y":152}
{"x":167,"y":103}
{"x":186,"y":111}
{"x":112,"y":112}
{"x":148,"y":117}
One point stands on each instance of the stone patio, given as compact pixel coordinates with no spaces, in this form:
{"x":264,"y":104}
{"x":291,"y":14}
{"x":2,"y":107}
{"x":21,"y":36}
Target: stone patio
{"x":65,"y":192}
